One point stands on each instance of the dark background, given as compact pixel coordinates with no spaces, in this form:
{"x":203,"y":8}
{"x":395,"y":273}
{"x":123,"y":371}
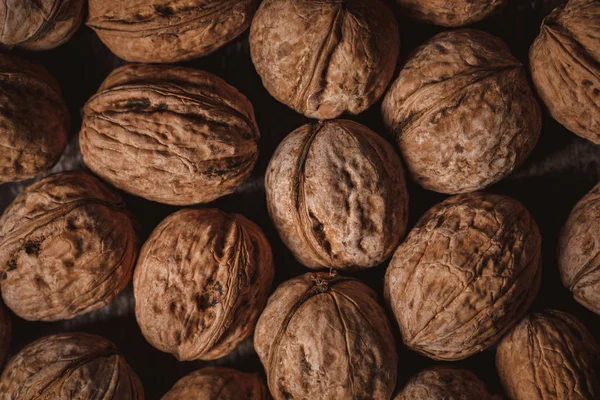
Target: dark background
{"x":560,"y":171}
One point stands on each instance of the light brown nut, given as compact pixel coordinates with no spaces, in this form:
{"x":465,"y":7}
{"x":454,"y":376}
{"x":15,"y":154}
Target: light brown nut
{"x":336,"y":194}
{"x":465,"y":274}
{"x":462,"y":112}
{"x":169,"y":134}
{"x":324,"y":58}
{"x":326,"y":337}
{"x":67,"y":247}
{"x":450,"y":13}
{"x":5,"y":330}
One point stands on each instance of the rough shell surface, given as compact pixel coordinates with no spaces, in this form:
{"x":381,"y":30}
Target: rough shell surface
{"x":451,"y":13}
{"x":324,"y":58}
{"x":462,"y":112}
{"x":5,"y":330}
{"x":202,"y":280}
{"x":465,"y":275}
{"x":326,"y":337}
{"x":169,"y":134}
{"x":67,"y":246}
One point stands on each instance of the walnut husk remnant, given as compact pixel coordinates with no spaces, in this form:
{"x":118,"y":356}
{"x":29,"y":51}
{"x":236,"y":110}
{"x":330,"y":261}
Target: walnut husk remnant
{"x":462,"y":112}
{"x":67,"y":246}
{"x":324,"y":58}
{"x":169,"y":134}
{"x":450,"y":13}
{"x":5,"y":331}
{"x":466,"y":273}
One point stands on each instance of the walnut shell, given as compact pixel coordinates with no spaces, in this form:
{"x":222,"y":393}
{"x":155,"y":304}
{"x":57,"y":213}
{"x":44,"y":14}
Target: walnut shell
{"x":67,"y":246}
{"x":565,"y":66}
{"x":465,"y":274}
{"x":324,"y":58}
{"x":549,"y":355}
{"x":70,"y":366}
{"x":34,"y":120}
{"x":326,"y":337}
{"x":201,"y":281}
{"x":462,"y":112}
{"x":451,"y":13}
{"x":337,"y":195}
{"x":169,"y":134}
{"x":5,"y":330}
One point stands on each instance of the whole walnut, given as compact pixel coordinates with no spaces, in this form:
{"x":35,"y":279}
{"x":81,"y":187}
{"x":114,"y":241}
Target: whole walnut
{"x":325,"y":337}
{"x":336,"y":194}
{"x":549,"y":355}
{"x":451,"y":13}
{"x":167,"y":31}
{"x":201,"y":281}
{"x":70,"y":366}
{"x":169,"y":134}
{"x":462,"y":112}
{"x":324,"y":58}
{"x":67,"y":247}
{"x":34,"y":120}
{"x":466,"y":273}
{"x":5,"y":330}
{"x":565,"y":66}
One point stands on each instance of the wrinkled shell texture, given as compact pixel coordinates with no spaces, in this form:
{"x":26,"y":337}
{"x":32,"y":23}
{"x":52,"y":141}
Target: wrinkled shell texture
{"x":67,"y":246}
{"x":5,"y":330}
{"x":34,"y":120}
{"x":336,"y":194}
{"x":324,"y":337}
{"x":70,"y":366}
{"x":202,"y":280}
{"x":549,"y":355}
{"x":465,"y":275}
{"x":451,"y":13}
{"x":462,"y":112}
{"x":169,"y":134}
{"x":565,"y":66}
{"x":324,"y":58}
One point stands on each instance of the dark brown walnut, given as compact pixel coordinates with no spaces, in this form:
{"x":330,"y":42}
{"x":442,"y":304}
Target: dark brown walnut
{"x":549,"y":355}
{"x":336,"y":194}
{"x":462,"y":112}
{"x":565,"y":66}
{"x":5,"y":330}
{"x":325,"y":337}
{"x":324,"y":58}
{"x":70,"y":366}
{"x":466,"y":273}
{"x":67,"y":247}
{"x":169,"y":134}
{"x":202,"y":280}
{"x":451,"y":13}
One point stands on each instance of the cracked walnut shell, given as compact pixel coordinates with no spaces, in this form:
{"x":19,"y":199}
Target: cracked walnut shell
{"x":450,"y":13}
{"x":5,"y":330}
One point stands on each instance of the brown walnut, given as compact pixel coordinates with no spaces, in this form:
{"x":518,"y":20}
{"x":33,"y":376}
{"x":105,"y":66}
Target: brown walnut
{"x":462,"y":112}
{"x":326,"y":337}
{"x":169,"y":134}
{"x":67,"y":247}
{"x":451,"y":13}
{"x":324,"y":58}
{"x":464,"y":275}
{"x":5,"y":330}
{"x":336,"y":194}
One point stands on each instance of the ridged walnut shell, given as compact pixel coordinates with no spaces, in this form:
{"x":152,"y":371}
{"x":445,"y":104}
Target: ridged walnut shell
{"x":5,"y":330}
{"x":549,"y":355}
{"x":201,"y":282}
{"x":466,"y":273}
{"x":169,"y":134}
{"x":166,"y":31}
{"x":336,"y":194}
{"x":462,"y":112}
{"x":70,"y":366}
{"x":326,"y":337}
{"x":565,"y":66}
{"x":67,"y":247}
{"x":451,"y":13}
{"x":324,"y":58}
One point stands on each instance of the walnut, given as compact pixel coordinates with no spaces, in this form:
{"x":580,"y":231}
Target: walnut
{"x":549,"y":355}
{"x":324,"y":337}
{"x":336,"y":194}
{"x":565,"y":66}
{"x":465,"y":275}
{"x":70,"y":366}
{"x":67,"y":246}
{"x":168,"y":30}
{"x":451,"y":13}
{"x":201,"y":281}
{"x":5,"y":330}
{"x":34,"y":121}
{"x":324,"y":58}
{"x":462,"y":112}
{"x":169,"y":134}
